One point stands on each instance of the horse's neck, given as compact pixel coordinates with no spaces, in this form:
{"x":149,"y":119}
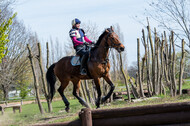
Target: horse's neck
{"x":102,"y":51}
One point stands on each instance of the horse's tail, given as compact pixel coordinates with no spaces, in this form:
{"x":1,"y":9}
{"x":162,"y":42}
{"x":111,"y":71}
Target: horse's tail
{"x":51,"y":79}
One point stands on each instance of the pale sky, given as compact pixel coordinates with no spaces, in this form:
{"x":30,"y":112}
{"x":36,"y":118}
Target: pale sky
{"x":53,"y":18}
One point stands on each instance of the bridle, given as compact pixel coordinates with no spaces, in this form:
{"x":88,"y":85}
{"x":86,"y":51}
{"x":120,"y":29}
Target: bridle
{"x":112,"y":43}
{"x":107,"y":46}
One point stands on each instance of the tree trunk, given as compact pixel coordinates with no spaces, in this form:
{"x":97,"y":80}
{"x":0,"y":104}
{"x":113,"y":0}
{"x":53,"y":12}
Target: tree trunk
{"x":125,"y":78}
{"x":5,"y":92}
{"x":43,"y":79}
{"x":139,"y":69}
{"x":35,"y":80}
{"x":181,"y":67}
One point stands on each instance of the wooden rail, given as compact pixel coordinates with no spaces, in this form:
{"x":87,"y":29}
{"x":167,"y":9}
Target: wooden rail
{"x":163,"y":114}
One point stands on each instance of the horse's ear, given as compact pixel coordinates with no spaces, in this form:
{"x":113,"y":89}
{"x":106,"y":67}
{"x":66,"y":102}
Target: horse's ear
{"x":107,"y":30}
{"x":111,"y":28}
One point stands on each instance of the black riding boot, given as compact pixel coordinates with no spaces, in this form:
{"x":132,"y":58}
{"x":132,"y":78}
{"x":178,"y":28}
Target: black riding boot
{"x":83,"y":64}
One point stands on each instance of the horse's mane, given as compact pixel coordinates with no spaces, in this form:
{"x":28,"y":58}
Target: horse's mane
{"x":100,"y":38}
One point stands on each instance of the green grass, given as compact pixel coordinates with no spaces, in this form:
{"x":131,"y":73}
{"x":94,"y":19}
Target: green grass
{"x":30,"y":112}
{"x":186,"y":84}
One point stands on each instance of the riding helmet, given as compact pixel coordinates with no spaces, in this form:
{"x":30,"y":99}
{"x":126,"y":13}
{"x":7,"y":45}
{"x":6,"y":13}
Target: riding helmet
{"x":75,"y":21}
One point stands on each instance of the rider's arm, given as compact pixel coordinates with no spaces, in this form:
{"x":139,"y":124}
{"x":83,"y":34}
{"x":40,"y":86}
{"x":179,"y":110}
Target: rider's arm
{"x":87,"y":40}
{"x":76,"y":42}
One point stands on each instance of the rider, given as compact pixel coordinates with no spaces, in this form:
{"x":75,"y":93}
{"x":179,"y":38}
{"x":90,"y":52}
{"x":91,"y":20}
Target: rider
{"x":80,"y":39}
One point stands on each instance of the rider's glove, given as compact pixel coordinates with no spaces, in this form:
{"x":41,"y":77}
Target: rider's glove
{"x":86,"y":43}
{"x":93,"y":42}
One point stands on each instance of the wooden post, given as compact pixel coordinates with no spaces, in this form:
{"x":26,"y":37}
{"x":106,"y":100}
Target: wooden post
{"x":147,"y":60}
{"x":47,"y":49}
{"x":181,"y":67}
{"x":169,"y":67}
{"x":161,"y":87}
{"x":166,"y":60}
{"x":93,"y":91}
{"x":173,"y":66}
{"x":134,"y":91}
{"x":36,"y":82}
{"x":142,"y":70}
{"x":125,"y":78}
{"x":154,"y":73}
{"x":158,"y":65}
{"x":43,"y":78}
{"x":86,"y":117}
{"x":153,"y":57}
{"x":84,"y":91}
{"x":139,"y":69}
{"x":87,"y":91}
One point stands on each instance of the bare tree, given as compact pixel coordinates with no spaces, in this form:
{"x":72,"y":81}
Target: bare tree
{"x":15,"y":66}
{"x":172,"y":15}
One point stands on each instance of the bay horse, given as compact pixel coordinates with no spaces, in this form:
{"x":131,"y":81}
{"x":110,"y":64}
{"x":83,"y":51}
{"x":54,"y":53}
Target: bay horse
{"x":98,"y":66}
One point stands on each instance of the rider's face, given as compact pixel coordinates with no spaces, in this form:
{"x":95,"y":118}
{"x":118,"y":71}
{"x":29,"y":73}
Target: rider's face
{"x":77,"y":25}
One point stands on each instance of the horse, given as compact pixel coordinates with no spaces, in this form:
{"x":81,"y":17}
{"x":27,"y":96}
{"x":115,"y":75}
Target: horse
{"x":98,"y":66}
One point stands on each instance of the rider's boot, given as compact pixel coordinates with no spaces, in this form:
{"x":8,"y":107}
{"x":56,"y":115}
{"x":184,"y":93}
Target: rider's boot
{"x":83,"y":62}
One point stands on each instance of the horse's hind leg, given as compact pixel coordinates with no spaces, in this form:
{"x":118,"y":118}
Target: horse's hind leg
{"x":76,"y":86}
{"x":61,"y":92}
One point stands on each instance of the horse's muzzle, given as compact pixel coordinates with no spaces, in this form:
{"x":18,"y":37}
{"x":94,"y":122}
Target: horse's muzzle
{"x":121,"y":49}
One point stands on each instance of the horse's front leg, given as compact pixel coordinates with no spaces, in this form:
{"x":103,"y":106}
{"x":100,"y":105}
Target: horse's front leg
{"x":108,"y":80}
{"x":97,"y":83}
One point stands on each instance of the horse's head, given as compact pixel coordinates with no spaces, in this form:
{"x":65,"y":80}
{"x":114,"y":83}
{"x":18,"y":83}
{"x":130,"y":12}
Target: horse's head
{"x":113,"y":40}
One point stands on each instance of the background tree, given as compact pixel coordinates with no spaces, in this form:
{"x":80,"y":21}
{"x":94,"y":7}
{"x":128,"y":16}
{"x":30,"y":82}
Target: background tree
{"x":173,"y":15}
{"x":4,"y":32}
{"x":15,"y":66}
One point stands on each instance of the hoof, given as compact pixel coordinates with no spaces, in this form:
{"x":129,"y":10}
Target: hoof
{"x":98,"y":107}
{"x":67,"y":109}
{"x":103,"y":99}
{"x":97,"y":103}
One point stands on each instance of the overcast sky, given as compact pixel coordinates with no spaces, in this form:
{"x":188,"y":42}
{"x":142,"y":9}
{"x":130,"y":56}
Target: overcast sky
{"x":53,"y":18}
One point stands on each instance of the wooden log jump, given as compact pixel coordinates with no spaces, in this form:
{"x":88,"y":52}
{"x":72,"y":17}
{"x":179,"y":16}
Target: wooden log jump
{"x":162,"y":114}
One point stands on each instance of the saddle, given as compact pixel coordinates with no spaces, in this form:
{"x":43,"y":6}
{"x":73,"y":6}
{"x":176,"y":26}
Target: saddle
{"x":75,"y":60}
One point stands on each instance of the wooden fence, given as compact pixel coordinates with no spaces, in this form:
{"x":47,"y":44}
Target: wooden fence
{"x":162,"y":114}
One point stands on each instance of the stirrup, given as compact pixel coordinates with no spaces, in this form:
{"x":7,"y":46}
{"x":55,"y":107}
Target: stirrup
{"x":83,"y":72}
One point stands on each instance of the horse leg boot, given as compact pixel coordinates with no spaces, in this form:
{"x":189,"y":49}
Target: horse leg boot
{"x":83,"y":64}
{"x":111,"y":90}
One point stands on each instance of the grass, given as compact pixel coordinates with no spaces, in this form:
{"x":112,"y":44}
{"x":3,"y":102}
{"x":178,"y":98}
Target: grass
{"x":186,"y":84}
{"x":30,"y":112}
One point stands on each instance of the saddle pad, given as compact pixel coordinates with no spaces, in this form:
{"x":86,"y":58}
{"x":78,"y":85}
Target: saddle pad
{"x":75,"y":60}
